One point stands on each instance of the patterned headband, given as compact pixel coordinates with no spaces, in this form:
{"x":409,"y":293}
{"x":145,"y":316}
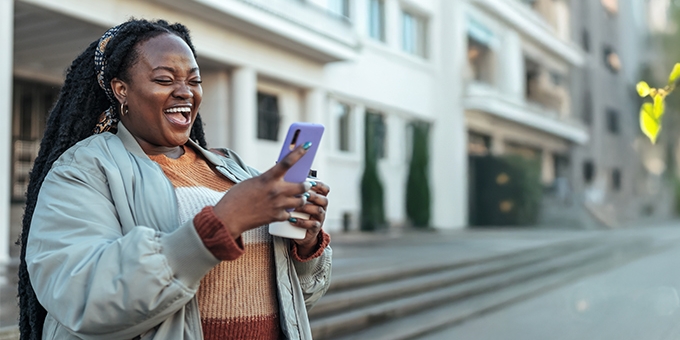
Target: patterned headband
{"x":100,"y":60}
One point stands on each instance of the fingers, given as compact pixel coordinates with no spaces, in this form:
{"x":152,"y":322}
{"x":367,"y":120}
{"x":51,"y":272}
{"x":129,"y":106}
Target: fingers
{"x":318,"y":199}
{"x":319,"y":187}
{"x":306,"y":224}
{"x":285,"y":189}
{"x":279,"y":170}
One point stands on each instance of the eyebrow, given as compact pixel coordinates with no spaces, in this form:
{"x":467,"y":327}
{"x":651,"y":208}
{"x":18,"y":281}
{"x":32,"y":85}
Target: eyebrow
{"x":172,"y":70}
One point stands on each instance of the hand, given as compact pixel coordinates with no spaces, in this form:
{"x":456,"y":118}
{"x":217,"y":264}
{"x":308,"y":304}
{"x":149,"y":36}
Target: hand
{"x":316,"y":207}
{"x":262,"y":199}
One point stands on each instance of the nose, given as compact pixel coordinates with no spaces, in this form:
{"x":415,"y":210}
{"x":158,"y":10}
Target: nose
{"x":183,"y":91}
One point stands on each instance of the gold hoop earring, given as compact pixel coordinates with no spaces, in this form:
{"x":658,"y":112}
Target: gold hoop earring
{"x":123,"y":109}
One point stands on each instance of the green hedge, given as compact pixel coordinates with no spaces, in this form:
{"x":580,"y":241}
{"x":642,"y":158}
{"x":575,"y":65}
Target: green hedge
{"x":372,"y":201}
{"x":418,"y":184}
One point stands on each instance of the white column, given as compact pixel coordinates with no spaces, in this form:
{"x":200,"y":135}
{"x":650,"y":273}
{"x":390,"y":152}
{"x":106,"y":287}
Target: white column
{"x":359,"y":133}
{"x":547,"y":167}
{"x":511,"y":65}
{"x":244,"y":113}
{"x":6,"y":40}
{"x":448,"y":141}
{"x":316,"y":112}
{"x":215,"y":109}
{"x":497,"y":144}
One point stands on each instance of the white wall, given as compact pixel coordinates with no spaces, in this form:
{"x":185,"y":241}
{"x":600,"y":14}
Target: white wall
{"x":382,"y":78}
{"x":6,"y":41}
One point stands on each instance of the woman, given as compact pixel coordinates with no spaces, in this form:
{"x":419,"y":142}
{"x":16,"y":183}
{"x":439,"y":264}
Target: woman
{"x":146,"y":234}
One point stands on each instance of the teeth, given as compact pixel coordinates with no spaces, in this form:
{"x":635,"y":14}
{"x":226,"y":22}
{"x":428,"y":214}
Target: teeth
{"x":178,"y":109}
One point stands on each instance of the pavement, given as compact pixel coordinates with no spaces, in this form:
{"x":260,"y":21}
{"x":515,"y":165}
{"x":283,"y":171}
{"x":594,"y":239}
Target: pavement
{"x":357,"y":253}
{"x":638,"y":300}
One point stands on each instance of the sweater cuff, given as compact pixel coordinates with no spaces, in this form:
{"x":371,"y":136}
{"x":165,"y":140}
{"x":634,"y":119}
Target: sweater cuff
{"x":323,"y":240}
{"x":216,"y":237}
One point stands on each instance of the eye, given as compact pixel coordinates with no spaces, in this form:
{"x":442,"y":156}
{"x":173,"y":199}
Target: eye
{"x":195,"y":82}
{"x":163,"y":80}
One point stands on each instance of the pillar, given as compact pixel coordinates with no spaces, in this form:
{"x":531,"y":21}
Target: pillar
{"x":244,"y":113}
{"x":6,"y":40}
{"x":215,"y":109}
{"x":449,"y":163}
{"x":316,"y":112}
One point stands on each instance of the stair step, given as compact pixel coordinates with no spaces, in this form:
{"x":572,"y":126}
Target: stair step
{"x":390,"y":273}
{"x":361,"y":318}
{"x":338,"y":301}
{"x":428,"y":322}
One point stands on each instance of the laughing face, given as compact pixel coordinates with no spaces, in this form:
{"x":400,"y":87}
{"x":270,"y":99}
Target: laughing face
{"x":163,"y":94}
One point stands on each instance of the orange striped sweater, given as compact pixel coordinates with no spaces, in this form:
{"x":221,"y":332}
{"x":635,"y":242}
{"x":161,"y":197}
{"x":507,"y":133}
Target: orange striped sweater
{"x":237,"y":299}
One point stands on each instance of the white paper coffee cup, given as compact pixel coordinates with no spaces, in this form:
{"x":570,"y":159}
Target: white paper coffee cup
{"x":287,"y":230}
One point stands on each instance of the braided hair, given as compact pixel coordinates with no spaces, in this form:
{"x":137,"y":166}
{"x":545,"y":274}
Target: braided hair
{"x":72,"y":119}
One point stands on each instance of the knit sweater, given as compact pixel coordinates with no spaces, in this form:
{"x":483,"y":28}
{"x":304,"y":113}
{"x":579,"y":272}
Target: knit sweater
{"x":237,"y":299}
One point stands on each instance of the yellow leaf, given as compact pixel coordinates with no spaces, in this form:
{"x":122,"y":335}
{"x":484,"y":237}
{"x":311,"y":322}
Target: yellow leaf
{"x":643,"y":89}
{"x":674,"y":74}
{"x":659,"y":107}
{"x":650,"y":126}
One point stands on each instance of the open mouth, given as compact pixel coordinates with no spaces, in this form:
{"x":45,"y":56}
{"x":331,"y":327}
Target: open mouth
{"x":179,"y":115}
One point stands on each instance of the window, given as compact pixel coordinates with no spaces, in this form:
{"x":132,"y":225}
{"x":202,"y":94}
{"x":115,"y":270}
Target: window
{"x":588,"y":171}
{"x":611,"y":6}
{"x":480,"y":61}
{"x":585,"y":40}
{"x":31,"y":104}
{"x":343,"y":112}
{"x":478,"y":144}
{"x":268,"y":117}
{"x":587,"y":108}
{"x":611,"y":59}
{"x":376,"y":133}
{"x":414,"y":34}
{"x":376,"y":19}
{"x":613,"y":121}
{"x":339,"y":7}
{"x":616,"y":179}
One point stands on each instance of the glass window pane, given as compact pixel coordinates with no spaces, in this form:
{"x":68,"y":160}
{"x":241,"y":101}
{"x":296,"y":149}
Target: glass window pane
{"x":340,"y":7}
{"x":343,"y":116}
{"x":414,"y":32}
{"x":376,"y":19}
{"x":268,"y":117}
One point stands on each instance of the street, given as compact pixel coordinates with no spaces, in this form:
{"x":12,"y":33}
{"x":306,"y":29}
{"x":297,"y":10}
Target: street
{"x":638,"y":300}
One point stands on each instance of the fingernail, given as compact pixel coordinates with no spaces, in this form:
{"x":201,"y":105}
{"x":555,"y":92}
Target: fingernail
{"x":312,"y":183}
{"x":306,"y":195}
{"x":292,"y":220}
{"x":307,"y":145}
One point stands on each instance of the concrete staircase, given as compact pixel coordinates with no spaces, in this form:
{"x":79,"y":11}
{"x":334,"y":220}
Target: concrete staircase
{"x":408,"y":302}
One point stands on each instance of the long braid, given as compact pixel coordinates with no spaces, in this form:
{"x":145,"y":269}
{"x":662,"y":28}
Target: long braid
{"x":72,"y":119}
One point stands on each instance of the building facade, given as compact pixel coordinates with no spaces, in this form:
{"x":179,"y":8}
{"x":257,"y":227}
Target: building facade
{"x":619,"y":175}
{"x":491,"y":77}
{"x":265,"y":64}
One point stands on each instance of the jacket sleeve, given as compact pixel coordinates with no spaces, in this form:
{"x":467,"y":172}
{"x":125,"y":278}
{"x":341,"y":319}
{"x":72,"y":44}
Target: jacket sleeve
{"x":96,"y":281}
{"x":314,"y":276}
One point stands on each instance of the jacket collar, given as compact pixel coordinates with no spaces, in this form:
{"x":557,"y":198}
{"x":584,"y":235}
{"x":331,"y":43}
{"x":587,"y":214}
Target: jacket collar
{"x":133,"y":146}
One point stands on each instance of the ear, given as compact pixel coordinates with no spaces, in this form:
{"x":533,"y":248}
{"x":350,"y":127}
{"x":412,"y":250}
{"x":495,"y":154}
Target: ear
{"x":120,"y":89}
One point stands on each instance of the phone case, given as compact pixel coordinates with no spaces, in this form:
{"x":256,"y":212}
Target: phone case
{"x":298,"y":134}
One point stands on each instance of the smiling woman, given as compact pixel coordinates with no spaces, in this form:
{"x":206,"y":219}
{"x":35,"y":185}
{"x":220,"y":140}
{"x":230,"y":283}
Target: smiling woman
{"x":133,"y":229}
{"x":162,"y":93}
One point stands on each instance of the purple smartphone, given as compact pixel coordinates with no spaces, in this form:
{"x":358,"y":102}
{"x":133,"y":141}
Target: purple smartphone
{"x":298,"y":134}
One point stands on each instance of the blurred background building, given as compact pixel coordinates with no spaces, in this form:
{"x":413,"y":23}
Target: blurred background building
{"x":530,"y":103}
